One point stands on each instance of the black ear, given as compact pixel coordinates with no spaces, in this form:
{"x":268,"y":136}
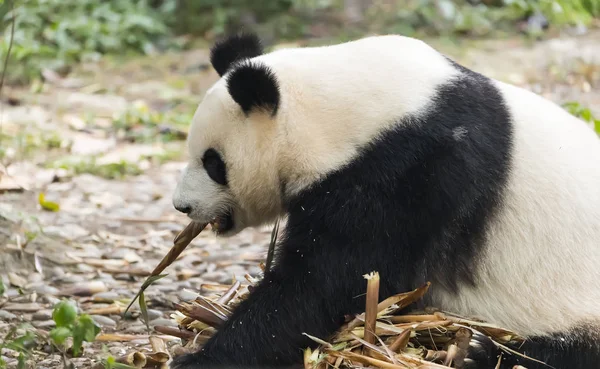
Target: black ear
{"x":254,"y":86}
{"x":233,"y":49}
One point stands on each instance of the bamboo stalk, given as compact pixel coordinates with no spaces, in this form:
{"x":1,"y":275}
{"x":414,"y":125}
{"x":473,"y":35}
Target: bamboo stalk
{"x":371,"y":306}
{"x":175,"y":332}
{"x":401,"y":341}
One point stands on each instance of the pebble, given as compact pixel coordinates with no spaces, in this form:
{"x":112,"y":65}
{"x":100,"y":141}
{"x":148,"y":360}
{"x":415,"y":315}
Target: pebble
{"x":16,"y":280}
{"x":23,"y":307}
{"x":11,"y":292}
{"x":73,"y":278}
{"x":57,"y":272}
{"x":44,"y":324}
{"x":154,"y":314}
{"x":44,"y":289}
{"x":6,"y":315}
{"x":35,"y":277}
{"x":85,"y":268}
{"x":104,"y":321}
{"x":124,"y":277}
{"x":187,"y":295}
{"x":163,"y":321}
{"x":167,"y":287}
{"x":137,"y":329}
{"x":42,"y":315}
{"x":108,"y":295}
{"x":50,"y":300}
{"x":217,"y":276}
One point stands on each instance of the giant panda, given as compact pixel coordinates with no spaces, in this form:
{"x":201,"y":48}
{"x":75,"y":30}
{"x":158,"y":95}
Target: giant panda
{"x":383,"y":154}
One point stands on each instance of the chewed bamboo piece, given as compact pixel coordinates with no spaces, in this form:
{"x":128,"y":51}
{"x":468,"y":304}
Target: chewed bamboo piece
{"x":379,"y":338}
{"x":183,"y":239}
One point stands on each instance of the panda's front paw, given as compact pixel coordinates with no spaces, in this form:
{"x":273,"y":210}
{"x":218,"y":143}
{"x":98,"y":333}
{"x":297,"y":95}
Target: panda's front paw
{"x":482,"y":353}
{"x":189,"y":361}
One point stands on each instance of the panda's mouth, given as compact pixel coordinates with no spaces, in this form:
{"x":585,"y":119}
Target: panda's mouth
{"x":222,"y":223}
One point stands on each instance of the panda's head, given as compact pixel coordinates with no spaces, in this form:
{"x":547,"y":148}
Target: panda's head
{"x":230,"y":179}
{"x":276,"y":123}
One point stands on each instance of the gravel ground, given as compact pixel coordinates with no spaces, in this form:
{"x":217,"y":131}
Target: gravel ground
{"x":109,"y":233}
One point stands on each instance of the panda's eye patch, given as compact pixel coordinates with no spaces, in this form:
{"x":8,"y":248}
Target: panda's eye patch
{"x":214,"y":166}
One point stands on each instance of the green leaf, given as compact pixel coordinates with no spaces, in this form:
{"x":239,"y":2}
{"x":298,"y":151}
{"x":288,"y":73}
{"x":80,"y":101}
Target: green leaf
{"x":144,"y":310}
{"x":60,"y":334}
{"x":22,"y":344}
{"x":90,"y":329}
{"x":145,"y":285}
{"x":21,"y":361}
{"x":2,"y":288}
{"x":84,"y":330}
{"x":64,"y":314}
{"x":47,"y":205}
{"x":586,"y":114}
{"x":2,"y":363}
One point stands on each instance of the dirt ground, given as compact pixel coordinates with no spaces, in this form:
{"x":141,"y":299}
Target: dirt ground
{"x":109,"y":233}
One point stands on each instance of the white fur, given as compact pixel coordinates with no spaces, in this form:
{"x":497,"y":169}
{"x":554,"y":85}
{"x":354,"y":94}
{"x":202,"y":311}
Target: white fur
{"x":541,"y":268}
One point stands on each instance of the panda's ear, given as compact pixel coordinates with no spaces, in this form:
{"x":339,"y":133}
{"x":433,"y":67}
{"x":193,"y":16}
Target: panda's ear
{"x":254,"y":86}
{"x":233,"y":49}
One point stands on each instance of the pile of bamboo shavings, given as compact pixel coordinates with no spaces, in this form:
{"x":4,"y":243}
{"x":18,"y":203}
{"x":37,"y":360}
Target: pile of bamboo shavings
{"x":426,"y":340}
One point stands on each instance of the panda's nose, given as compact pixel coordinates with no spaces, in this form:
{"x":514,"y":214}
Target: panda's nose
{"x":183,"y":208}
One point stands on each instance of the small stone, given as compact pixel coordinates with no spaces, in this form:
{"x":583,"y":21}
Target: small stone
{"x":73,"y":278}
{"x":42,"y":315}
{"x":44,"y":324}
{"x":166,"y":287}
{"x":106,"y":296}
{"x":35,"y":277}
{"x":6,"y":316}
{"x":44,"y":289}
{"x":163,"y":322}
{"x":50,"y":300}
{"x":57,"y":272}
{"x":16,"y":280}
{"x":124,"y":277}
{"x":85,"y":268}
{"x":217,"y":276}
{"x":104,"y":321}
{"x":154,"y":314}
{"x":28,"y":307}
{"x":137,"y":329}
{"x":88,"y":288}
{"x":187,"y":295}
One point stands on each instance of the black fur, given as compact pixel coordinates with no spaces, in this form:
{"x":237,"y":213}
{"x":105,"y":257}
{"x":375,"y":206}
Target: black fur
{"x":254,"y":86}
{"x":215,"y":166}
{"x":413,"y":206}
{"x":576,"y":349}
{"x":234,"y":49}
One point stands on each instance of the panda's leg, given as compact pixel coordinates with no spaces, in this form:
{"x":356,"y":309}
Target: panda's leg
{"x":302,"y":295}
{"x":575,"y":350}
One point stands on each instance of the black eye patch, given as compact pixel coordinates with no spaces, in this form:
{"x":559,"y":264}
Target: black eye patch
{"x":214,"y":166}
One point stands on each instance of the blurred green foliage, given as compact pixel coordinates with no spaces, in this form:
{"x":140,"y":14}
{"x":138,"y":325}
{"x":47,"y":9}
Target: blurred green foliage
{"x":583,"y":113}
{"x":57,"y":33}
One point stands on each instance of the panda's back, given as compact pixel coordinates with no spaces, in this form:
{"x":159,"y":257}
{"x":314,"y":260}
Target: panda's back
{"x":541,"y":261}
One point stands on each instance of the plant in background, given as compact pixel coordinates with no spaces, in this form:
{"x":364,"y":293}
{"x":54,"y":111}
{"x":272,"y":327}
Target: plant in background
{"x":55,"y":33}
{"x":80,"y":328}
{"x":19,"y":343}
